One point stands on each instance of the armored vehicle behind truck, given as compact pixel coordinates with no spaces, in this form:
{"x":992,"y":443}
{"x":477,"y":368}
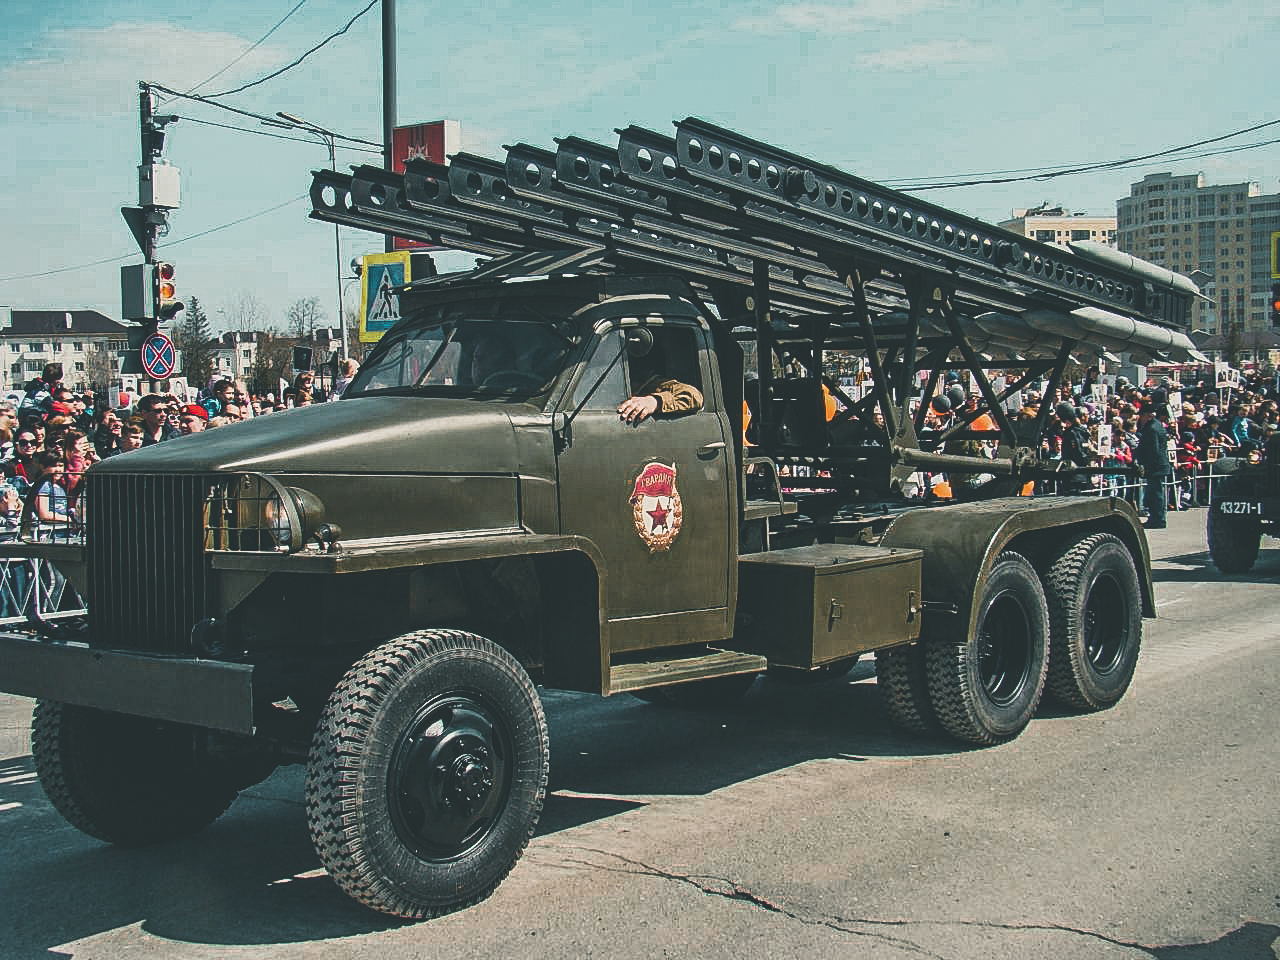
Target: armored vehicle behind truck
{"x":375,"y":587}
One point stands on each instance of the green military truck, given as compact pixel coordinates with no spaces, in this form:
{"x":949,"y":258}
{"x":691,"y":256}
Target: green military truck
{"x":376,"y":587}
{"x":1245,"y":505}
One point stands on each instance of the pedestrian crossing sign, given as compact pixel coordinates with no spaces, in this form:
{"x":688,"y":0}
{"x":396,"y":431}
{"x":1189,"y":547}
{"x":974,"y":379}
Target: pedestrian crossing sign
{"x":379,"y":306}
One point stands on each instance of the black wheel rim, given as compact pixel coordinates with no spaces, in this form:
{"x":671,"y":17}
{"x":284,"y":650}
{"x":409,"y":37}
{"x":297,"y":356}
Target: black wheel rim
{"x":1004,"y":650}
{"x":1106,"y":625}
{"x":450,"y":777}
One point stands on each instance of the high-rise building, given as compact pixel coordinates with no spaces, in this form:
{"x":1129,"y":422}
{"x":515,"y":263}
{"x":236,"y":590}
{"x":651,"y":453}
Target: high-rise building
{"x":1056,"y":225}
{"x":1181,"y":223}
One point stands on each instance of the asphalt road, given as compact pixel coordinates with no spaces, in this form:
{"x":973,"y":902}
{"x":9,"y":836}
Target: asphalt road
{"x":794,"y":824}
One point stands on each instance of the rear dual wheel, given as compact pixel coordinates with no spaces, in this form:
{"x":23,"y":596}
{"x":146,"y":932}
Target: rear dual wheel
{"x":984,"y":687}
{"x":1095,"y":623}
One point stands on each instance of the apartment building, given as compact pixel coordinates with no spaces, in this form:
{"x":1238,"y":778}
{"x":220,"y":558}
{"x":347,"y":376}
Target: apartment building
{"x":1186,"y":225}
{"x":1055,"y":225}
{"x":87,"y":343}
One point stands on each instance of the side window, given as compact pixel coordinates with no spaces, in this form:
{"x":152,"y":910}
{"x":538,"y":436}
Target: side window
{"x":674,"y":356}
{"x":612,"y":389}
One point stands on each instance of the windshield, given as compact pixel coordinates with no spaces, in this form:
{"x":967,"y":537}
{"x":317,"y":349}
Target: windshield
{"x":469,"y":349}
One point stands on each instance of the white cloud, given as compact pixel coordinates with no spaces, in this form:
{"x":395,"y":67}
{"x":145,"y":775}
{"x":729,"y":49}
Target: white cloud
{"x":96,"y":72}
{"x":841,"y":18}
{"x":931,"y":54}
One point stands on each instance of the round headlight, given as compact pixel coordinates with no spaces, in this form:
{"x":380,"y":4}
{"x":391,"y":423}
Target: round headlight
{"x":292,"y":515}
{"x":278,"y":522}
{"x":1254,"y":456}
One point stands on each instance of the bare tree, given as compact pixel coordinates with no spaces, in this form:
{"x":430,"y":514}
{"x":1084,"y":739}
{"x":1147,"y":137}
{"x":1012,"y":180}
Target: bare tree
{"x":97,"y":367}
{"x":304,"y":316}
{"x":246,"y":313}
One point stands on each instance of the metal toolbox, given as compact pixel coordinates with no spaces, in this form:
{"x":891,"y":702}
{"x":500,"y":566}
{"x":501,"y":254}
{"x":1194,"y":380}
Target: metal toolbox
{"x":805,"y":606}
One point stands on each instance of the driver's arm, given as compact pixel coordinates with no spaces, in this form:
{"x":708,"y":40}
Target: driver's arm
{"x":659,"y":395}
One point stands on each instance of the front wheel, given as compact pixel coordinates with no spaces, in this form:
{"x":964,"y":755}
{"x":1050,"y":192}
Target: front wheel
{"x":985,"y":687}
{"x":124,"y":779}
{"x":427,"y":773}
{"x":1233,"y":541}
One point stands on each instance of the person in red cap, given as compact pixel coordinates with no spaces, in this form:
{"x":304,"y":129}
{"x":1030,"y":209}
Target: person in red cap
{"x":192,"y":418}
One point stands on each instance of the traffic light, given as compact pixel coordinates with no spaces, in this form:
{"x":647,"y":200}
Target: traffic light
{"x":165,"y":292}
{"x":1275,"y":303}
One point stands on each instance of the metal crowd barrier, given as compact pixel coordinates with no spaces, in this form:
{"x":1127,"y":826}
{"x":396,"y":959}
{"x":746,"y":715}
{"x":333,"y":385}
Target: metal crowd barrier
{"x":33,"y":590}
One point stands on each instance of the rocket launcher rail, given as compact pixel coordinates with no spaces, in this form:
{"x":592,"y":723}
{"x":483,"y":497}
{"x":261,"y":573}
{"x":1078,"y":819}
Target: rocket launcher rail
{"x":799,"y":256}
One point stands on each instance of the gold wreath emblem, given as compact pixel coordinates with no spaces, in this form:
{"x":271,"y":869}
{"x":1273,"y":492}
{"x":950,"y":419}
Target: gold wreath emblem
{"x":674,"y":515}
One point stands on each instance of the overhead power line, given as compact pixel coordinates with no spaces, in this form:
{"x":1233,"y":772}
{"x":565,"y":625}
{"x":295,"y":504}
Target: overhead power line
{"x":1050,"y":173}
{"x":254,"y":46}
{"x":277,"y":136}
{"x":274,"y":121}
{"x":174,"y":243}
{"x":290,"y":66}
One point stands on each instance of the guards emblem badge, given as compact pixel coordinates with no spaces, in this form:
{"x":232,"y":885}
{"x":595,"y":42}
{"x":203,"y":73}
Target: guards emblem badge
{"x":656,"y":506}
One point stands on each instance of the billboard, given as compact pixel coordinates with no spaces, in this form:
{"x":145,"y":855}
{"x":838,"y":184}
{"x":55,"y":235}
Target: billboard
{"x":433,"y":141}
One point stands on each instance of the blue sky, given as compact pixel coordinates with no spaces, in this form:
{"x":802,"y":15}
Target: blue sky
{"x":885,"y":89}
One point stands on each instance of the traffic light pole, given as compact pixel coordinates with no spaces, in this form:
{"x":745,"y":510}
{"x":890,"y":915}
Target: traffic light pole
{"x":388,"y":99}
{"x":145,"y":124}
{"x":147,"y":292}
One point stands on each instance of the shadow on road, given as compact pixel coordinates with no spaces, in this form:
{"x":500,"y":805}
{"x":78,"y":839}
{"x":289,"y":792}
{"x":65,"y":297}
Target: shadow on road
{"x":247,"y":879}
{"x":1197,"y":567}
{"x":252,"y":878}
{"x":1252,"y":941}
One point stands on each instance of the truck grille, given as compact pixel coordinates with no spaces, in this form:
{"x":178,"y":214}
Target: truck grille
{"x":149,"y":580}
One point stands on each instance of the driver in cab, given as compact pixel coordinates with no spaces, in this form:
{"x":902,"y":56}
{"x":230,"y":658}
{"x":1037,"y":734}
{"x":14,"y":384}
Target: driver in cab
{"x":659,"y":392}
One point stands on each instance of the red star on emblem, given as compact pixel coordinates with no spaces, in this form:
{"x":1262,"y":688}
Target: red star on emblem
{"x":659,"y":514}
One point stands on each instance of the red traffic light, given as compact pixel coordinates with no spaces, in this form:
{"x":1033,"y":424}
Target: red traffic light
{"x":166,"y":292}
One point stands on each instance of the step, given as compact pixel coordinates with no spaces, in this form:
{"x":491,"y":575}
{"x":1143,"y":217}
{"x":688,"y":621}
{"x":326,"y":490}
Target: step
{"x":657,"y":673}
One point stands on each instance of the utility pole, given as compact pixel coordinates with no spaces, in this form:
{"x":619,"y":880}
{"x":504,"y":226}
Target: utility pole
{"x":388,"y":96}
{"x":148,"y":294}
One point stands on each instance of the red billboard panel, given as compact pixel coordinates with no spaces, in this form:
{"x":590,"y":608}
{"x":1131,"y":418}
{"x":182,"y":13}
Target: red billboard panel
{"x":433,"y":141}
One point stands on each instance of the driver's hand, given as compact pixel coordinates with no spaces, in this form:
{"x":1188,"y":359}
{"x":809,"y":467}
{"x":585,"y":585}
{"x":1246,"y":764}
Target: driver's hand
{"x":637,"y":408}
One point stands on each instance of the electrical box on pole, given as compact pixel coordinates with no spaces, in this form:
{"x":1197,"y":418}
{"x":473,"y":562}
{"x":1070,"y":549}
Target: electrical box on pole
{"x":159,"y":185}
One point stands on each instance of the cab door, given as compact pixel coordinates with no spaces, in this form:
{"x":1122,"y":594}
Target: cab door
{"x":655,"y":497}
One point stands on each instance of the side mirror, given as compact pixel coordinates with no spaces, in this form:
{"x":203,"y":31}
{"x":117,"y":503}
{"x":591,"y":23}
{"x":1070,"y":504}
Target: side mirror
{"x":639,"y":342}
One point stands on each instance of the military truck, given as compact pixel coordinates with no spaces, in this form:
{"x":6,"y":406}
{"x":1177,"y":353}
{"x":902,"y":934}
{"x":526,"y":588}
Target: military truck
{"x":1244,"y":506}
{"x":376,"y":587}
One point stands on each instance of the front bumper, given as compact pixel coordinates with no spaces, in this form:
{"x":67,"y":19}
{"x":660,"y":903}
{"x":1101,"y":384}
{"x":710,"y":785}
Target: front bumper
{"x":202,"y":693}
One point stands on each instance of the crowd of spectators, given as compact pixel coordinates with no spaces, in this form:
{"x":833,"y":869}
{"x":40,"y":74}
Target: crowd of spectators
{"x":1154,"y":443}
{"x":50,"y":438}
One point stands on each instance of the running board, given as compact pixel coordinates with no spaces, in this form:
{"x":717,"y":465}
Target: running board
{"x":660,"y":673}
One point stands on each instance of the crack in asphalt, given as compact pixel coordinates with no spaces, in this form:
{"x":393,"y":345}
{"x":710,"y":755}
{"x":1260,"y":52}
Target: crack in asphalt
{"x":731,"y":890}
